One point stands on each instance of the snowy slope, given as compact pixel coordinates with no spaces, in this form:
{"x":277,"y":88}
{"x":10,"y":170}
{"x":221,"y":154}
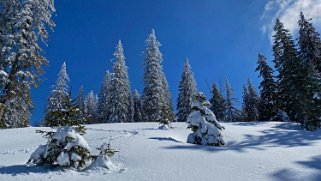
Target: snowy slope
{"x":254,"y":151}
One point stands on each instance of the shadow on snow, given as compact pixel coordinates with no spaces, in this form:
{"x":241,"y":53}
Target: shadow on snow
{"x":283,"y":135}
{"x":290,"y":175}
{"x":15,"y":170}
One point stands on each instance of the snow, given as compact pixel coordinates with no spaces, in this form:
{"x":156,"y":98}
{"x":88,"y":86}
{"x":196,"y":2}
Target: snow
{"x":63,"y":159}
{"x":64,"y":132}
{"x":253,"y":151}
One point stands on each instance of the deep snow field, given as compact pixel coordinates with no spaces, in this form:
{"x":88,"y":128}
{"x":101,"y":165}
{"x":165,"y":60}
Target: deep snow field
{"x":254,"y":151}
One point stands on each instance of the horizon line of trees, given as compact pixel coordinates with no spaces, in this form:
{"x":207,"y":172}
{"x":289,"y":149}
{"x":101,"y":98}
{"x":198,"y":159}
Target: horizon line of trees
{"x":289,"y":92}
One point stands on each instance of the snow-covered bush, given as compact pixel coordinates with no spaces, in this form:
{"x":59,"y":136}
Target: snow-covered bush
{"x":281,"y":116}
{"x":103,"y":159}
{"x":202,"y":121}
{"x":66,"y":148}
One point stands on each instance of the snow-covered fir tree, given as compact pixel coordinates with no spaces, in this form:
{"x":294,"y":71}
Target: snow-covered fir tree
{"x":154,"y":93}
{"x":202,"y":121}
{"x":310,"y":54}
{"x":91,"y":108}
{"x":267,"y":105}
{"x":245,"y":105}
{"x":104,"y":97}
{"x":120,"y":89}
{"x":80,"y":102}
{"x":187,"y":89}
{"x":137,"y":105}
{"x":66,"y":147}
{"x":250,"y":103}
{"x":290,"y":78}
{"x":309,"y":42}
{"x":23,"y":31}
{"x":168,"y":115}
{"x":59,"y":97}
{"x":232,"y":113}
{"x":131,"y":109}
{"x":218,"y":103}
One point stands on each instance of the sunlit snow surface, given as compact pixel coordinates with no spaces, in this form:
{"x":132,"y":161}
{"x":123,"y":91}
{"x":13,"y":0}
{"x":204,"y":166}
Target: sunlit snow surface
{"x":253,"y":151}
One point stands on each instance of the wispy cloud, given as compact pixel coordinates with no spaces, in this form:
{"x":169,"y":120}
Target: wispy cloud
{"x":288,"y":12}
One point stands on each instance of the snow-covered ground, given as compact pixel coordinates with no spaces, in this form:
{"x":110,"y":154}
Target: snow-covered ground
{"x":253,"y":151}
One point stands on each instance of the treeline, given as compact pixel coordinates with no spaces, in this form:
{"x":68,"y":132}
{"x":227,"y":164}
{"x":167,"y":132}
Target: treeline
{"x":115,"y":102}
{"x":289,"y":92}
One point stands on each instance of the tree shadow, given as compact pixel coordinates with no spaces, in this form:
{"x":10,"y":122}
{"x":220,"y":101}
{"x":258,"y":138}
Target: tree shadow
{"x":314,"y":163}
{"x":292,"y":175}
{"x":15,"y":170}
{"x":268,"y":138}
{"x":164,"y":139}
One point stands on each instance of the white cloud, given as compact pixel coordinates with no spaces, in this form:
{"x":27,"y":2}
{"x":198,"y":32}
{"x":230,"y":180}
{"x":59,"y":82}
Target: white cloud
{"x":288,"y":12}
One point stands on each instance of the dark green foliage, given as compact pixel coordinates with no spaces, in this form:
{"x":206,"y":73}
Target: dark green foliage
{"x":70,"y":116}
{"x":218,"y":103}
{"x":310,"y":54}
{"x":290,"y":79}
{"x":250,"y":103}
{"x":232,"y":113}
{"x":267,"y":105}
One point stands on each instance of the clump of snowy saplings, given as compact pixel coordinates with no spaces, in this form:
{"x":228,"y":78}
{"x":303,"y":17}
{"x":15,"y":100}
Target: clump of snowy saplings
{"x":202,"y":121}
{"x":67,"y":147}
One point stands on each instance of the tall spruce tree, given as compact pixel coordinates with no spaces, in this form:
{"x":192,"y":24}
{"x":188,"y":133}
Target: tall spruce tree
{"x":309,"y":43}
{"x":23,"y":31}
{"x":250,"y":103}
{"x":218,"y":103}
{"x":187,"y":89}
{"x":310,"y":54}
{"x":80,"y":102}
{"x":91,"y":108}
{"x":59,"y":98}
{"x":245,"y":105}
{"x":137,"y":105}
{"x":267,"y":105}
{"x":104,"y":98}
{"x":120,"y":89}
{"x":153,"y":97}
{"x":290,"y":79}
{"x":232,"y":113}
{"x":168,"y":115}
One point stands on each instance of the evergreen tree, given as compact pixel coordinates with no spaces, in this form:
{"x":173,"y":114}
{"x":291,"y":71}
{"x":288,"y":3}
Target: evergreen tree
{"x":310,"y":54}
{"x":59,"y":97}
{"x":309,"y":43}
{"x":167,"y":112}
{"x":80,"y":102}
{"x":153,"y":96}
{"x":250,"y":103}
{"x":120,"y":89}
{"x":218,"y":103}
{"x":290,"y":79}
{"x":104,"y":97}
{"x":245,"y":105}
{"x":267,"y":105}
{"x":23,"y":23}
{"x":91,"y":108}
{"x":137,"y":104}
{"x":206,"y":129}
{"x":187,"y":89}
{"x":232,"y":113}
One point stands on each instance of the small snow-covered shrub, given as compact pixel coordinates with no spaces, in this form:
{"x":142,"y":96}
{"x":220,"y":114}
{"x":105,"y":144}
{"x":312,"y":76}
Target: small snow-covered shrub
{"x":281,"y":116}
{"x":202,"y":121}
{"x":103,"y":159}
{"x":65,"y":148}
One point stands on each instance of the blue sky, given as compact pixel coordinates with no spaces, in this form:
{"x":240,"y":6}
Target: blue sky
{"x":219,"y":37}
